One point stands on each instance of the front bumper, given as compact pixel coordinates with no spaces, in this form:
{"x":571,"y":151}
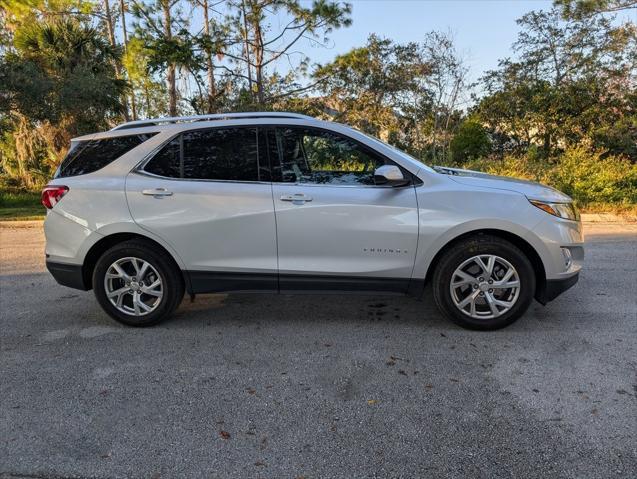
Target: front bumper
{"x":552,"y":288}
{"x":70,"y":275}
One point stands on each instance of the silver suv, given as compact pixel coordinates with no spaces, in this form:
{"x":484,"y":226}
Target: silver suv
{"x":286,"y":203}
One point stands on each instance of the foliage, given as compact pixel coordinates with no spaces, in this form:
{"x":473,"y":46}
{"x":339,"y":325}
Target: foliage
{"x":470,"y":142}
{"x":58,"y":83}
{"x":404,"y":93}
{"x":572,"y":80}
{"x":587,"y":175}
{"x":583,"y":8}
{"x":254,"y":46}
{"x":562,"y":109}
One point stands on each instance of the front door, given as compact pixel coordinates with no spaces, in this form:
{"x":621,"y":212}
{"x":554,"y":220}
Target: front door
{"x":206,"y":195}
{"x":336,"y":229}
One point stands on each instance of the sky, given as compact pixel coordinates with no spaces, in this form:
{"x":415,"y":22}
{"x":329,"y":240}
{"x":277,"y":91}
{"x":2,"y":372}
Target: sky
{"x":482,"y":29}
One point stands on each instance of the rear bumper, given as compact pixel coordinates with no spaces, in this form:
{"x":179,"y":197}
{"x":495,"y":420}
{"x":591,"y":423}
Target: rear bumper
{"x":554,"y":287}
{"x":67,"y":274}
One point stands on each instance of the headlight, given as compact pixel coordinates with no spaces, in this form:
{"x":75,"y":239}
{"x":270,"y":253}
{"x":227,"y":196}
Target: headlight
{"x":561,"y":210}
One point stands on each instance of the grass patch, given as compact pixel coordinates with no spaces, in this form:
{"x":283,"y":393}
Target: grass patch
{"x":21,"y":205}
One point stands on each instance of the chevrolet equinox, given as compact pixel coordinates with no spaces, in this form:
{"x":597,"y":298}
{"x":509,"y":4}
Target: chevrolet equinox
{"x":281,"y":202}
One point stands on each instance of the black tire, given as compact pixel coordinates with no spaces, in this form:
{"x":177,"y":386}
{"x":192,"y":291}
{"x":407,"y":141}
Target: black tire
{"x":461,"y":251}
{"x":169,"y":273}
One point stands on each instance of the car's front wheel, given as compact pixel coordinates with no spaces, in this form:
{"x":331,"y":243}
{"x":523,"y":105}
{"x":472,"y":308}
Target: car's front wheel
{"x":484,"y":283}
{"x":137,"y":286}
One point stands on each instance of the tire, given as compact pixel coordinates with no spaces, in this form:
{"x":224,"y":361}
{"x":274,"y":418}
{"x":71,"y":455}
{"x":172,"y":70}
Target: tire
{"x":459,"y":264}
{"x":161,"y":297}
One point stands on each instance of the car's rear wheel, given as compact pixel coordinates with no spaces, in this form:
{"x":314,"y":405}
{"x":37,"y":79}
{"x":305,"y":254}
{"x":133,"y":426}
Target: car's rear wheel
{"x":484,"y":283}
{"x":137,"y":286}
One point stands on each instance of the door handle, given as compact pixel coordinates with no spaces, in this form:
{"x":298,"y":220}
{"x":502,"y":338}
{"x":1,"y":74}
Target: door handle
{"x":297,"y":198}
{"x":157,"y":192}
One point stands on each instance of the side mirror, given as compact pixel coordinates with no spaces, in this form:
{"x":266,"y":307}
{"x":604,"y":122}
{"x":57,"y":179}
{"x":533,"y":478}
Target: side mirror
{"x":389,"y":175}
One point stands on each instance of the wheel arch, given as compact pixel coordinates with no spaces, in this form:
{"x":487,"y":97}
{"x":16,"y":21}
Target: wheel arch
{"x":518,"y":241}
{"x":107,"y":242}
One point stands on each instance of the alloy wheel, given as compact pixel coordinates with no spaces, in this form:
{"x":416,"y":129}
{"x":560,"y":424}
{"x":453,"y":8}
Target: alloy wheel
{"x":133,"y":286}
{"x":485,"y":286}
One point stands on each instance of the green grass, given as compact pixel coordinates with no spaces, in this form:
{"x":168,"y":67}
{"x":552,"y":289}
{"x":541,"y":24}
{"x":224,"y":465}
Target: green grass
{"x":20,"y":205}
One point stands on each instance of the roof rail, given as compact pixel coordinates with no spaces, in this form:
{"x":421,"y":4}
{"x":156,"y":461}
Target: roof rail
{"x":218,"y":116}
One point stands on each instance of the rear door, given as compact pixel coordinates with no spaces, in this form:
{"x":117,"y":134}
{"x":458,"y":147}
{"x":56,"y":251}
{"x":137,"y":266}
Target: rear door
{"x":336,"y":228}
{"x":208,"y":194}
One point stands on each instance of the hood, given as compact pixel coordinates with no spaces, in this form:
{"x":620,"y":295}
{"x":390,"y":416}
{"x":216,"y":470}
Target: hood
{"x":531,"y":189}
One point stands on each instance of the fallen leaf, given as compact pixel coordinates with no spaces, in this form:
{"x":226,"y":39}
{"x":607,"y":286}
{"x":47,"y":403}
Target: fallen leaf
{"x":251,"y":391}
{"x":224,"y":434}
{"x":371,"y":402}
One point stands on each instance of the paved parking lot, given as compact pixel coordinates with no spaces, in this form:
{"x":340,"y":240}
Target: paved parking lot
{"x":318,"y":386}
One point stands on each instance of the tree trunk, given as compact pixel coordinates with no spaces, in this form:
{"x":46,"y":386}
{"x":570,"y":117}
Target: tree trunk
{"x":111,"y":37}
{"x":170,"y":75}
{"x":547,"y":144}
{"x":258,"y":52}
{"x":247,"y":47}
{"x":212,"y":90}
{"x":125,"y":37}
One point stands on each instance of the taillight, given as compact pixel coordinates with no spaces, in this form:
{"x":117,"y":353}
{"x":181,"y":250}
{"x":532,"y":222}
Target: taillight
{"x":52,"y":194}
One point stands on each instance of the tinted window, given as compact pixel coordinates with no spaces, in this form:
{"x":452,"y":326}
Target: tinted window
{"x":166,"y":161}
{"x":221,"y":154}
{"x":317,"y":156}
{"x":89,"y":156}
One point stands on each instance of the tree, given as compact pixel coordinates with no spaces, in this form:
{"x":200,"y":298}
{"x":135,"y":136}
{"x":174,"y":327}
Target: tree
{"x":254,"y":47}
{"x":59,"y":82}
{"x":568,"y":76}
{"x":163,"y":30}
{"x":366,"y":86}
{"x":109,"y":21}
{"x":122,"y":11}
{"x":470,"y":142}
{"x":404,"y":93}
{"x":577,"y":9}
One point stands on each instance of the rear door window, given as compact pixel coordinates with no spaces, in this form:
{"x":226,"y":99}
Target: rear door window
{"x":229,"y":154}
{"x":89,"y":156}
{"x":221,"y":154}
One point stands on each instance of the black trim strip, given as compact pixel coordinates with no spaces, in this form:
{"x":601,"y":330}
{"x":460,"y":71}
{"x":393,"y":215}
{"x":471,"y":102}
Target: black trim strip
{"x":294,"y":282}
{"x":218,"y":281}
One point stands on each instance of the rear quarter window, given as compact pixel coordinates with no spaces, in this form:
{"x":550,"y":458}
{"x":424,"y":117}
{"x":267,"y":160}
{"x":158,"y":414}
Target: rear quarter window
{"x":88,"y":156}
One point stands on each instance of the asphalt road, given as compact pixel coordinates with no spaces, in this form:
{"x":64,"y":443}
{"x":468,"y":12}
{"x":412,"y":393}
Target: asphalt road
{"x":318,"y":386}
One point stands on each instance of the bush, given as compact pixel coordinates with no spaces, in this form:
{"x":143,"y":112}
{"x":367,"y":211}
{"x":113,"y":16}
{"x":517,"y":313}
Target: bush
{"x":590,"y":178}
{"x":470,"y":142}
{"x":584,"y":174}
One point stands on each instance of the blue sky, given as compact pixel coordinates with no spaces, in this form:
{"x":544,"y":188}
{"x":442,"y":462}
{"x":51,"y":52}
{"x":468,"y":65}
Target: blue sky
{"x":483,"y":29}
